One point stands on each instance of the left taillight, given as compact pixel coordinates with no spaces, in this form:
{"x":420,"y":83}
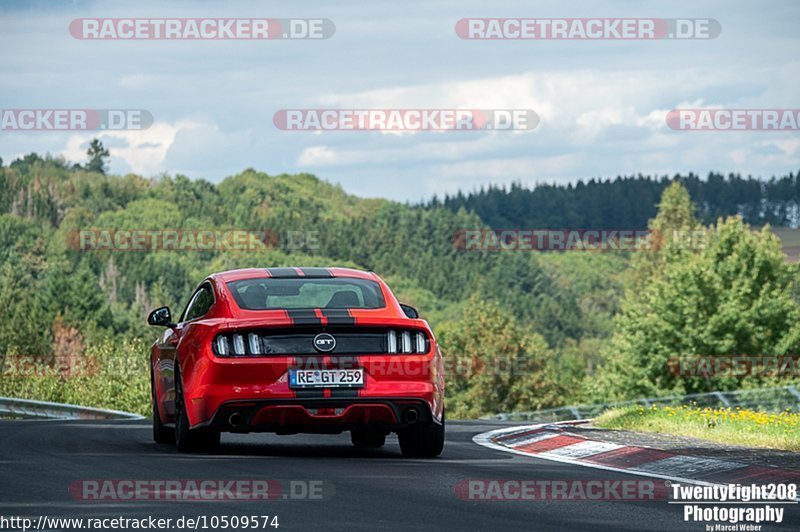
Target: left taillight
{"x":254,"y":343}
{"x":221,"y":346}
{"x":238,"y":345}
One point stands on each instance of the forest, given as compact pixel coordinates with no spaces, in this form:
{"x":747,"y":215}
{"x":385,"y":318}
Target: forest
{"x":520,"y":330}
{"x":629,"y":202}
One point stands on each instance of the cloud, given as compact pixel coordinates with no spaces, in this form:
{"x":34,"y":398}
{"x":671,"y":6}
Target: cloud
{"x":139,"y":151}
{"x":593,"y":122}
{"x":602,"y":104}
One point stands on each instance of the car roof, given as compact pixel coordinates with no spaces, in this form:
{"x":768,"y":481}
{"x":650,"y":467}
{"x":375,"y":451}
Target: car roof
{"x":291,"y":272}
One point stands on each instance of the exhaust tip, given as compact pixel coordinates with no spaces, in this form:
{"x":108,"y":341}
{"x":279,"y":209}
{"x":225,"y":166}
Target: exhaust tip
{"x":236,"y":419}
{"x":411,"y":416}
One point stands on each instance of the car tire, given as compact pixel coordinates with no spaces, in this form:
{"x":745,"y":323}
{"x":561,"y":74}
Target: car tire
{"x":186,"y":439}
{"x":367,"y":439}
{"x":422,"y":441}
{"x":161,"y":433}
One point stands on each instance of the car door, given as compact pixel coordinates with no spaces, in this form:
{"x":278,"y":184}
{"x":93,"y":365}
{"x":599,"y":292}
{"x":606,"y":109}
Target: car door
{"x":199,"y":304}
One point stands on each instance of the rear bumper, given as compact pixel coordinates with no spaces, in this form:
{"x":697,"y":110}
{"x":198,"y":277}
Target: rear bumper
{"x":211,"y":384}
{"x":319,"y":415}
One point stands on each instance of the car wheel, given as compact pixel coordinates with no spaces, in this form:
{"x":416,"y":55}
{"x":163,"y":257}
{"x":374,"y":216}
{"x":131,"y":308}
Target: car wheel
{"x":161,"y":434}
{"x":366,"y":438}
{"x":424,"y":441}
{"x":187,"y":439}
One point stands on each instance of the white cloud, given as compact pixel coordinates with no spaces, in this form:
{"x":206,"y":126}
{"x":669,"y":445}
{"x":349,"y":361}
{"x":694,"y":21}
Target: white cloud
{"x":140,"y":151}
{"x":602,"y":104}
{"x":319,"y":156}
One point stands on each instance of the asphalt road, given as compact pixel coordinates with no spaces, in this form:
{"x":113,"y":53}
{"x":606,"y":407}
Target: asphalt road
{"x":362,"y":489}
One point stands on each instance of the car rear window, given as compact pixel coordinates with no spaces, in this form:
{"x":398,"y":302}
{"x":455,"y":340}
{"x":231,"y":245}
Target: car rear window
{"x":336,"y":292}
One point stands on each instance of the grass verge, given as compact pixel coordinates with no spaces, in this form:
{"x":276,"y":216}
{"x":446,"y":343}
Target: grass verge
{"x":113,"y":375}
{"x":731,"y":426}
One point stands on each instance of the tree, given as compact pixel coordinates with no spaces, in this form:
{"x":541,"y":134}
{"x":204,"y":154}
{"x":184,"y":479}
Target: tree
{"x":24,"y":329}
{"x":494,"y":364}
{"x":629,"y":201}
{"x":671,"y":235}
{"x":732,"y":295}
{"x":675,"y":210}
{"x":97,"y":155}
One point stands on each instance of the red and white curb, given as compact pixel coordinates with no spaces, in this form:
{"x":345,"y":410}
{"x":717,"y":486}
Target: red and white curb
{"x":553,"y":442}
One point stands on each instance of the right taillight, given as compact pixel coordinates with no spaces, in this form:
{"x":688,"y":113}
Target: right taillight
{"x":391,"y":342}
{"x":406,"y":342}
{"x":422,"y":345}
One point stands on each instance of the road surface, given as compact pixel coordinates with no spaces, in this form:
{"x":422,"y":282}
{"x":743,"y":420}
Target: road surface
{"x":361,"y":489}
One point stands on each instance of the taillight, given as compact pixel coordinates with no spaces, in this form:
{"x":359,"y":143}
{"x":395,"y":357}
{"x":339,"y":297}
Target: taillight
{"x":254,"y":342}
{"x":238,"y":345}
{"x":421,"y":343}
{"x":229,"y":345}
{"x":222,"y":346}
{"x":364,"y":341}
{"x":406,"y":342}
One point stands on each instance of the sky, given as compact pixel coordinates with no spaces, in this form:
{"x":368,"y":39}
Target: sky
{"x":601,"y":103}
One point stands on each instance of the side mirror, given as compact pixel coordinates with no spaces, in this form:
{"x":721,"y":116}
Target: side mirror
{"x":410,"y":311}
{"x":161,"y":317}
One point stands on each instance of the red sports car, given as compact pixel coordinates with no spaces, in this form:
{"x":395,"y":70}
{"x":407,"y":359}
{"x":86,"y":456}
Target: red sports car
{"x":288,"y":350}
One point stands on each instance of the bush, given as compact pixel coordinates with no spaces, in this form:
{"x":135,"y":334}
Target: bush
{"x":113,"y":375}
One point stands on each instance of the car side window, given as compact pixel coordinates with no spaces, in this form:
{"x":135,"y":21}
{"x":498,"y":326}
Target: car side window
{"x":200,"y":304}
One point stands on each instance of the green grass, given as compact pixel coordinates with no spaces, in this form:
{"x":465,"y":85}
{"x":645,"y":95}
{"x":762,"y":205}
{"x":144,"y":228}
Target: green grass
{"x":117,"y":378}
{"x":735,"y":427}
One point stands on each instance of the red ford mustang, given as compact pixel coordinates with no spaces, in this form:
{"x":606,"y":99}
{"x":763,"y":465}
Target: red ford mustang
{"x":289,"y":350}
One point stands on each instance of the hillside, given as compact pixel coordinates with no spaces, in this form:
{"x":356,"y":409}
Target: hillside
{"x":53,"y":292}
{"x":521,"y":330}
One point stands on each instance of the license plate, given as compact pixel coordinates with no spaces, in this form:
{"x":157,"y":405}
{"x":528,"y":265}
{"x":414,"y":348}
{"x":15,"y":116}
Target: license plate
{"x":326,"y":378}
